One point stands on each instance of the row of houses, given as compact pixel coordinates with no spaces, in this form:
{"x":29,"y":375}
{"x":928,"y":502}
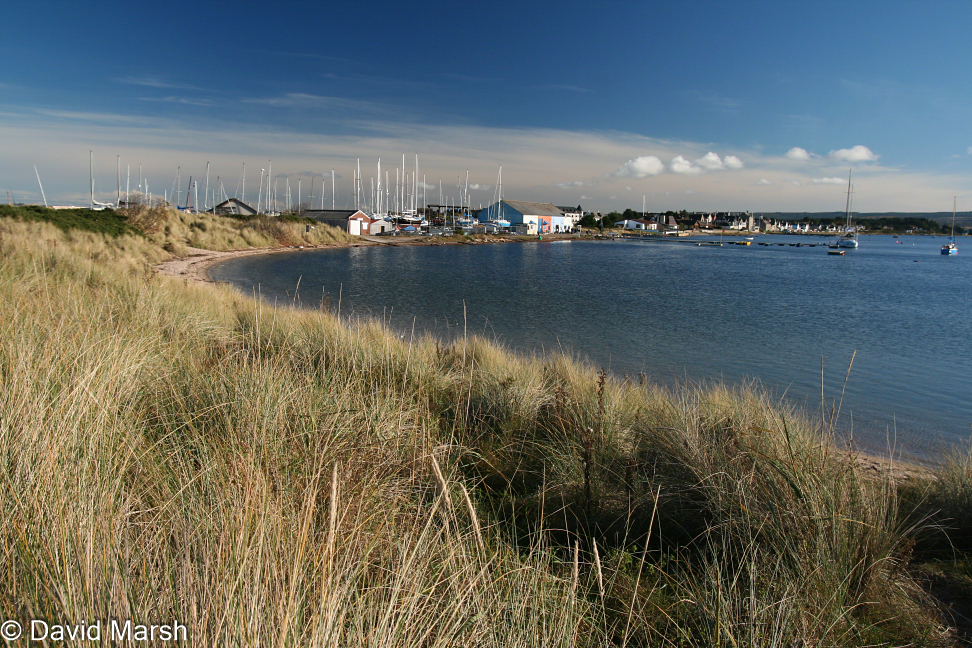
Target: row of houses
{"x":519,"y":216}
{"x":532,"y":217}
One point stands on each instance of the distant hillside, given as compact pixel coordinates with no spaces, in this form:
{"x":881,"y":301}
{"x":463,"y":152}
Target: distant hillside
{"x":963,"y":219}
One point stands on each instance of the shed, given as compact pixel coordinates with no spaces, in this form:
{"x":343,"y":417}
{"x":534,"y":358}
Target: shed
{"x":234,"y":207}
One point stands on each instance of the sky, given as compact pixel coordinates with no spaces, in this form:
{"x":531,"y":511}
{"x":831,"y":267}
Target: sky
{"x":703,"y":105}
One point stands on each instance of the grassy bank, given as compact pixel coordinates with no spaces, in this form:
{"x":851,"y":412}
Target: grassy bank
{"x":269,"y":476}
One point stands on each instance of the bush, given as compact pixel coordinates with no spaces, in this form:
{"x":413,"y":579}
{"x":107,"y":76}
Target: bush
{"x":104,"y":221}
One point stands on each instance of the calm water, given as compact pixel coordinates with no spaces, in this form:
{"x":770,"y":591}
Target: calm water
{"x":681,"y":312}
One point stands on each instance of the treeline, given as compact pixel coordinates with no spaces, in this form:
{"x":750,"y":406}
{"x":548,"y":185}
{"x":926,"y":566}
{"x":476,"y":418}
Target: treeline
{"x":610,"y":219}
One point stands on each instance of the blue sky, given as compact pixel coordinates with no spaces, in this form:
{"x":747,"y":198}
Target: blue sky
{"x":698,"y":105}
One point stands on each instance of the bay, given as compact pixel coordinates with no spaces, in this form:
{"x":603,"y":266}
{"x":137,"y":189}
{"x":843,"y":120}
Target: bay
{"x":776,"y":314}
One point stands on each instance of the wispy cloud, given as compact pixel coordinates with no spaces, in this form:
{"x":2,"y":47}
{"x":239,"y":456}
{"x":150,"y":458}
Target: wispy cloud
{"x":98,"y":118}
{"x":723,"y":104}
{"x":534,"y":161}
{"x":833,"y":181}
{"x":568,"y":88}
{"x":186,"y":101}
{"x":155,"y":82}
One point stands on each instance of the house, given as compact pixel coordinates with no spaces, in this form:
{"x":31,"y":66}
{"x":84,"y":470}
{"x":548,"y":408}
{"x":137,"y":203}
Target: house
{"x":669,"y":222}
{"x":538,"y":217}
{"x":572,"y":215}
{"x":637,"y":224}
{"x":234,"y":207}
{"x":352,"y":221}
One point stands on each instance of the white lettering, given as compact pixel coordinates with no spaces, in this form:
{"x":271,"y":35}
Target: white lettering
{"x":34,"y":636}
{"x":123,"y":633}
{"x":118,"y":631}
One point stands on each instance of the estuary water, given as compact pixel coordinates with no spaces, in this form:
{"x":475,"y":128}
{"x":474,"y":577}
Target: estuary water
{"x":778,"y":314}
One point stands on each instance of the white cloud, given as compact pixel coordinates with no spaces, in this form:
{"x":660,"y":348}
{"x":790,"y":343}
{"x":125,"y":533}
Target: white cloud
{"x":837,"y":181}
{"x":856,"y":154}
{"x":640,"y":167}
{"x":480,"y":187}
{"x":627,"y":189}
{"x":732,"y":162}
{"x":797,"y":153}
{"x":796,"y":183}
{"x":710,"y":161}
{"x":969,"y":150}
{"x":682,"y":166}
{"x":764,"y":181}
{"x":584,"y":197}
{"x":426,"y":185}
{"x":573,"y":184}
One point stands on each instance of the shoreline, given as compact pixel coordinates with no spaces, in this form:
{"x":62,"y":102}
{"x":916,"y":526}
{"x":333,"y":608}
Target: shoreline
{"x":195,"y":267}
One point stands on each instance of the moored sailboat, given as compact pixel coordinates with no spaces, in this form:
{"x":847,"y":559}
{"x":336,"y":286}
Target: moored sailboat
{"x":950,"y":247}
{"x":849,"y":238}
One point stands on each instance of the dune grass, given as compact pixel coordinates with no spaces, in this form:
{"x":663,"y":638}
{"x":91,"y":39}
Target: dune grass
{"x":272,"y":476}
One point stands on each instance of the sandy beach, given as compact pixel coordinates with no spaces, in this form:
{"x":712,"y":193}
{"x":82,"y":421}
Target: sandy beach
{"x":195,"y":266}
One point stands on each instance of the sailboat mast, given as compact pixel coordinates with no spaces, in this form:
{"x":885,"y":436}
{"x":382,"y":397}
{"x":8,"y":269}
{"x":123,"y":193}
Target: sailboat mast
{"x":40,"y":185}
{"x":847,"y":215}
{"x":954,"y":198}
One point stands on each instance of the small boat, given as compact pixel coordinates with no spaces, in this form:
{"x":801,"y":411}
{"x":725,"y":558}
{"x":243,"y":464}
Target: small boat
{"x":950,"y":247}
{"x":836,"y":252}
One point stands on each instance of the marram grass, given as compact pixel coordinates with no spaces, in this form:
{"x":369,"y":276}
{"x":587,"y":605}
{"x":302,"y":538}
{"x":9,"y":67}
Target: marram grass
{"x":271,"y":477}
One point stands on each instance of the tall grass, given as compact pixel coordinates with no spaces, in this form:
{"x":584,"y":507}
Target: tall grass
{"x":221,"y":233}
{"x":270,"y":476}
